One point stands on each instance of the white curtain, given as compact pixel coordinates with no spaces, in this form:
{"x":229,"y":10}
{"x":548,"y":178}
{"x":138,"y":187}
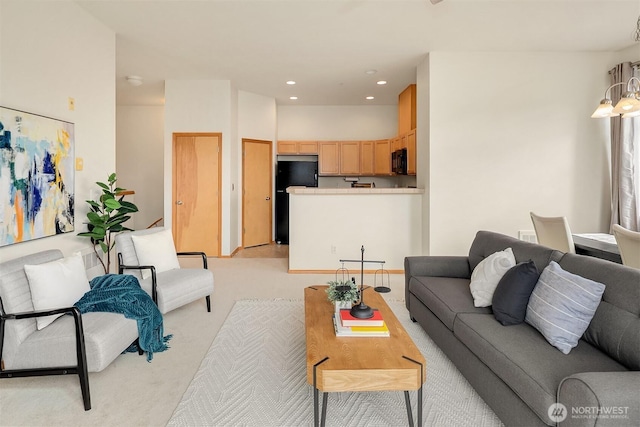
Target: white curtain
{"x":625,"y":158}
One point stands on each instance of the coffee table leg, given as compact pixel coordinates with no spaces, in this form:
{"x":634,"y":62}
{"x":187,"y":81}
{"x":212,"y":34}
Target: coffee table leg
{"x":316,"y":421}
{"x":325,"y":398}
{"x":420,"y":406}
{"x":407,"y":401}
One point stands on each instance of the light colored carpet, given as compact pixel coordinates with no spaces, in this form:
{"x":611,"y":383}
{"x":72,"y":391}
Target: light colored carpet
{"x":259,"y":354}
{"x":131,"y":392}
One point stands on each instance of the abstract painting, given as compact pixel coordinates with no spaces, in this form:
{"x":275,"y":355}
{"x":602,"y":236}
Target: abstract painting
{"x":36,"y":176}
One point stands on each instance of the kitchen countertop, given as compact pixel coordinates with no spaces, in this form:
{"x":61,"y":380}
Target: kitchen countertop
{"x":316,"y":190}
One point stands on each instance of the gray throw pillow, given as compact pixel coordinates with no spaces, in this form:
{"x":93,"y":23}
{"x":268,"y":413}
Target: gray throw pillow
{"x":562,"y":305}
{"x":512,"y":294}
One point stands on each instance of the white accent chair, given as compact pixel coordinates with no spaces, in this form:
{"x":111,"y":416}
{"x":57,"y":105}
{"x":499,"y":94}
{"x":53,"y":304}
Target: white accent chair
{"x":629,"y":245}
{"x":169,"y":289}
{"x":75,"y":344}
{"x":553,"y":232}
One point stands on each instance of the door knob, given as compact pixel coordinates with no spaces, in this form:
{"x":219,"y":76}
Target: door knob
{"x":179,"y":202}
{"x":268,"y":198}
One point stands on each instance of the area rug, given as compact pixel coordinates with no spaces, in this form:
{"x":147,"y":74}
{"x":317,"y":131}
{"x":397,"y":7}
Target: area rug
{"x":254,"y":374}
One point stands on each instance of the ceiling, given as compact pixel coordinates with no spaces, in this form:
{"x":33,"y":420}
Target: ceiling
{"x":327,"y":46}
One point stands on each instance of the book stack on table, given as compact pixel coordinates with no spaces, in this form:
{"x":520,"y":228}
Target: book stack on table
{"x":348,"y":326}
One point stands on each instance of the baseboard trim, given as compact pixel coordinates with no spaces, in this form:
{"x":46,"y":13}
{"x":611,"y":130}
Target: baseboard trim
{"x":353,"y":272}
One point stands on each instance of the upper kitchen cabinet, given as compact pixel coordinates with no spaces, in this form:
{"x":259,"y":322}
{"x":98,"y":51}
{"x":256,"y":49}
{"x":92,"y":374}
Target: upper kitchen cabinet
{"x":297,"y":147}
{"x":350,"y":158}
{"x":411,"y":152}
{"x":382,"y":157}
{"x":407,"y":110}
{"x":367,"y":158}
{"x":328,"y":158}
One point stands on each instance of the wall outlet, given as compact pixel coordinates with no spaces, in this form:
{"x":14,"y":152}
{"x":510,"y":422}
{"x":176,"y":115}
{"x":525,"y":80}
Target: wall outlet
{"x":333,"y":249}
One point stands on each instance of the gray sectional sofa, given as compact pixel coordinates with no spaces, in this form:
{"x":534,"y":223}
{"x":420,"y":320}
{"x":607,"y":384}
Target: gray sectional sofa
{"x":513,"y":368}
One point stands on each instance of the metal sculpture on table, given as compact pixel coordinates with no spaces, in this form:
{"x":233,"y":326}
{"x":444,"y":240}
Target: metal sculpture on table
{"x":361,"y":310}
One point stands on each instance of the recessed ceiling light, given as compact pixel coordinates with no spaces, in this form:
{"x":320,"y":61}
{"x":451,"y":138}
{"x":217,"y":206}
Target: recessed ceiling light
{"x":293,"y":97}
{"x":291,"y":82}
{"x":370,"y":97}
{"x":382,"y":82}
{"x":371,"y":72}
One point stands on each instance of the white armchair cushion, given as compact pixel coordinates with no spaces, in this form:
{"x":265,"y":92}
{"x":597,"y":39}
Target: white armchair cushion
{"x":56,"y":284}
{"x":156,"y":249}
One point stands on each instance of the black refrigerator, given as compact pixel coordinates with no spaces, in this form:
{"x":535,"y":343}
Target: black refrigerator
{"x":290,"y":173}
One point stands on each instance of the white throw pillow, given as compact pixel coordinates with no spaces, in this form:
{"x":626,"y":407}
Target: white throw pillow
{"x":487,"y":274}
{"x":56,"y":284}
{"x":156,"y":249}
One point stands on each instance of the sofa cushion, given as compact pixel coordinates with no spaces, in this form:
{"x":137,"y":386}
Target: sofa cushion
{"x":615,"y":328}
{"x":487,"y":274}
{"x":102,"y":344}
{"x":488,"y":242}
{"x":524,"y":360}
{"x":180,"y":286}
{"x":156,"y":249}
{"x":512,"y":294}
{"x":56,"y":284}
{"x":446,"y":297}
{"x":562,"y":305}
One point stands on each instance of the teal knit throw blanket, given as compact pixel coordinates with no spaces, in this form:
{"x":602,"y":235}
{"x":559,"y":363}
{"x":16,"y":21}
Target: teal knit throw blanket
{"x":121,"y":293}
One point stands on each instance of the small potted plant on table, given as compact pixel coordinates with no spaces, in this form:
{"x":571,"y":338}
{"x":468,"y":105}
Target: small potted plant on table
{"x":342,"y":293}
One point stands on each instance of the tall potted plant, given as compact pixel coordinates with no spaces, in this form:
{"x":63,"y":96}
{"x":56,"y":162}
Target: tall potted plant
{"x":105,"y":217}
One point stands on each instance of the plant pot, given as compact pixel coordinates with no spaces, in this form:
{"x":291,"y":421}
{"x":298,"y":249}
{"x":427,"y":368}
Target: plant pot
{"x":343,"y":305}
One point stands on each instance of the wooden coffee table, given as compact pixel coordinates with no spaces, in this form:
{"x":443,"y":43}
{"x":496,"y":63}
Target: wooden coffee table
{"x":338,"y":364}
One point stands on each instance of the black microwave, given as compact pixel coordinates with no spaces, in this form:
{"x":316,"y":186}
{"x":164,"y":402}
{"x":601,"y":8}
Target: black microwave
{"x":399,"y":162}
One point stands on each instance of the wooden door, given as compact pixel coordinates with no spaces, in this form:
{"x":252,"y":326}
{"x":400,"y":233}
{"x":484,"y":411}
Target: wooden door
{"x":196,"y":192}
{"x":328,"y":158}
{"x":350,"y":158}
{"x":256,"y":193}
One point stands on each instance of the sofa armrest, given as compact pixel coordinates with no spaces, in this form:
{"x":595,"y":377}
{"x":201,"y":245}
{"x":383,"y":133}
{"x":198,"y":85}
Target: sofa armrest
{"x":434,"y":266}
{"x":154,"y":280}
{"x":201,"y":254}
{"x":601,"y":398}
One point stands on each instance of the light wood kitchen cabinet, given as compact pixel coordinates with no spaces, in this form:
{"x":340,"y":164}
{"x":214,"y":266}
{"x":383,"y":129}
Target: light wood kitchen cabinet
{"x":395,"y":143}
{"x":367,"y":157}
{"x":403,"y":142}
{"x":382,"y":157}
{"x":407,"y":110}
{"x":411,"y":152}
{"x":297,"y":147}
{"x":328,"y":158}
{"x":350,"y":158}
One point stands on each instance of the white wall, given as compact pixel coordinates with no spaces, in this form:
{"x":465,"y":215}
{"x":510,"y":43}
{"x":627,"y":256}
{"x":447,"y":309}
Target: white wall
{"x":325,"y":228}
{"x":257,"y":117}
{"x":331,"y":122}
{"x":52,"y":51}
{"x":511,"y":133}
{"x":139,"y":160}
{"x":200,"y":106}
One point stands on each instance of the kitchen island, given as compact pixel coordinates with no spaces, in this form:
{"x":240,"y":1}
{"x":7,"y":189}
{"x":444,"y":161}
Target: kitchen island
{"x":330,"y":224}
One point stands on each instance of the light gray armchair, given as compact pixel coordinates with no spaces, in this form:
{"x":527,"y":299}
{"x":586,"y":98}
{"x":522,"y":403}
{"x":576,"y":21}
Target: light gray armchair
{"x":150,"y":255}
{"x":75,"y":344}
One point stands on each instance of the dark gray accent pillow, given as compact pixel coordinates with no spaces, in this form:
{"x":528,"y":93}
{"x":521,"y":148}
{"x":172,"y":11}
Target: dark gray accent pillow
{"x":512,"y":294}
